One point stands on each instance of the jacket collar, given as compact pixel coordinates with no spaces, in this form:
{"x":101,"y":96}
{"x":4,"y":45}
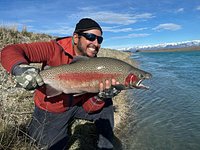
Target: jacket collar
{"x":67,"y":44}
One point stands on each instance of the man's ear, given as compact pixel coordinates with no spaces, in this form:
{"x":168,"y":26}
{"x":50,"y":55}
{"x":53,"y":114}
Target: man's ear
{"x":75,"y":38}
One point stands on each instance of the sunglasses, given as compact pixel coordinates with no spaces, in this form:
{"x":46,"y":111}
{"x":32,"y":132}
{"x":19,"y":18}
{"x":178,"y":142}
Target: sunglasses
{"x":92,"y":37}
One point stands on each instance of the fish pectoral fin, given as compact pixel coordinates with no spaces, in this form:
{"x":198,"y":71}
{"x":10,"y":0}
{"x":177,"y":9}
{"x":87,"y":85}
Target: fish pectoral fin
{"x":79,"y":94}
{"x":51,"y":92}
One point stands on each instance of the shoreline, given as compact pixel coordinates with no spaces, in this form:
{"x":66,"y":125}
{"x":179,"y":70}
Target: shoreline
{"x":196,"y":48}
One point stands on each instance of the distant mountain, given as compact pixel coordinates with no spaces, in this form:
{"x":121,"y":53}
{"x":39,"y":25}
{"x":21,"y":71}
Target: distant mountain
{"x":164,"y":46}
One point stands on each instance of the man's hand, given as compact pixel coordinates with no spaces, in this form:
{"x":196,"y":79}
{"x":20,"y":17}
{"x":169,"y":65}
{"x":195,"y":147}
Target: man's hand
{"x":27,"y":76}
{"x":108,"y":90}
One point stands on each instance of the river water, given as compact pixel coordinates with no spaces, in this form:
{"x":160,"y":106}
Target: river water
{"x":167,"y":116}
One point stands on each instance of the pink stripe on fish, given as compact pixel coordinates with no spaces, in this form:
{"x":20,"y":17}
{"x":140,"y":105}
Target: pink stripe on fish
{"x":86,"y":76}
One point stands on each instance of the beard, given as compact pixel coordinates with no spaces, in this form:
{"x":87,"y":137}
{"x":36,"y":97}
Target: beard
{"x":81,"y":49}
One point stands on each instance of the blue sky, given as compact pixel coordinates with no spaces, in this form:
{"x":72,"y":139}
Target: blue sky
{"x":125,"y":23}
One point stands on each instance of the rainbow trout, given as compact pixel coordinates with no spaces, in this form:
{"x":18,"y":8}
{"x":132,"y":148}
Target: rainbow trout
{"x":84,"y":75}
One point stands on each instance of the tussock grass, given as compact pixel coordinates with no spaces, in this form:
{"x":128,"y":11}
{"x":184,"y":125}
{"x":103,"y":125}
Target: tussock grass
{"x":10,"y":35}
{"x":16,"y":104}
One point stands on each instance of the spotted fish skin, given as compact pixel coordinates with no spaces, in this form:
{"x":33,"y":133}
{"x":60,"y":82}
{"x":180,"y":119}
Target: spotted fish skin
{"x":85,"y":74}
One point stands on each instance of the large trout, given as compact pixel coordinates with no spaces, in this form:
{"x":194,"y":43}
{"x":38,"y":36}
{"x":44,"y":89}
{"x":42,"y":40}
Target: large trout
{"x":84,"y":75}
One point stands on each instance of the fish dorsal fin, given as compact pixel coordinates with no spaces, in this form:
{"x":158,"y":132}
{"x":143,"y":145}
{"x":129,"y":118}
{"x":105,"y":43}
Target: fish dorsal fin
{"x":79,"y":58}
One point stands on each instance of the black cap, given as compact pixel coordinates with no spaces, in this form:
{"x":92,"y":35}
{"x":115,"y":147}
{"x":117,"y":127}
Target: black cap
{"x":87,"y":24}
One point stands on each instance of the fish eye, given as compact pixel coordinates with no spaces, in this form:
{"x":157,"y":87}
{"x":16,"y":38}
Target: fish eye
{"x":141,"y":76}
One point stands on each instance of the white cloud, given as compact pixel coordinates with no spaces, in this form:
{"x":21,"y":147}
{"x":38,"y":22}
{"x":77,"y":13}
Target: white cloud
{"x":117,"y":29}
{"x":140,"y":29}
{"x":122,"y":19}
{"x":115,"y":18}
{"x":111,"y":17}
{"x":198,"y":7}
{"x":133,"y":35}
{"x":27,"y":21}
{"x":62,"y":30}
{"x":167,"y":26}
{"x":180,"y":10}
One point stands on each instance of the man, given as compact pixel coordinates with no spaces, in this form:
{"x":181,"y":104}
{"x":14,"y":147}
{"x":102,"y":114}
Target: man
{"x":52,"y":116}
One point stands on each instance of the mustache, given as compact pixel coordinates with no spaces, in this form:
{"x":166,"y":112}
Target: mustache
{"x":93,"y":46}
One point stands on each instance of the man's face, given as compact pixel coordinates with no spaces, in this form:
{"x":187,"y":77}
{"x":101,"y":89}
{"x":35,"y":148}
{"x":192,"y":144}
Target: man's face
{"x":88,"y":47}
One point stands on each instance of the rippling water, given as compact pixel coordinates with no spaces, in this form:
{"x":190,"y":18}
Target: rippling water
{"x":166,"y":117}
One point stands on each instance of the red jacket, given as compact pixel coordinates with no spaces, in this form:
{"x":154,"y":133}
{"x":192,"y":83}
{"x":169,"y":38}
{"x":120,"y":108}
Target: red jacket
{"x":53,"y":53}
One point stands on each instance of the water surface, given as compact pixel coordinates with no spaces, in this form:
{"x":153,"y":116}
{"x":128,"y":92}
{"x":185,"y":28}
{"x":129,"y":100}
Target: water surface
{"x":166,"y":117}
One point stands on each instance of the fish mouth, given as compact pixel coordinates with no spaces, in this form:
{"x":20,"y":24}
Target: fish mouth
{"x":135,"y":81}
{"x":139,"y":85}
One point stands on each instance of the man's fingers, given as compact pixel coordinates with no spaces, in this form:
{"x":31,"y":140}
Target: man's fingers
{"x":39,"y":80}
{"x":113,"y":82}
{"x":108,"y":84}
{"x":107,"y":89}
{"x":101,"y":87}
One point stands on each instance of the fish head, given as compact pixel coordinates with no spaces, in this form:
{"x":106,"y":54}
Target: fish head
{"x":134,"y":79}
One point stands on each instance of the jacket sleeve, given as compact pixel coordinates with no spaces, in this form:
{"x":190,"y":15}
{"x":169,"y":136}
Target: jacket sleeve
{"x":93,"y":104}
{"x":15,"y":54}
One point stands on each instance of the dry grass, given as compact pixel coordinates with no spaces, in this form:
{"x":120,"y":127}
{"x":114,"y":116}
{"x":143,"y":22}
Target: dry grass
{"x":10,"y":35}
{"x":16,"y":104}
